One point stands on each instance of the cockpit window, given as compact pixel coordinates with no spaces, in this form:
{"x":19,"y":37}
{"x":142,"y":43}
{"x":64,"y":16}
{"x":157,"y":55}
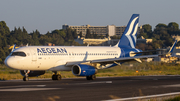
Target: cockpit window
{"x":18,"y":54}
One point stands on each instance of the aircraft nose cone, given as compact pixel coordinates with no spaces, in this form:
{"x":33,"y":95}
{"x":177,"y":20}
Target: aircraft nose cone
{"x":8,"y":62}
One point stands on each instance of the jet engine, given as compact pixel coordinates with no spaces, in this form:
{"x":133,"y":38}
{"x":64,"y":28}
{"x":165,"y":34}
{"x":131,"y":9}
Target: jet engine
{"x":83,"y":70}
{"x":32,"y":73}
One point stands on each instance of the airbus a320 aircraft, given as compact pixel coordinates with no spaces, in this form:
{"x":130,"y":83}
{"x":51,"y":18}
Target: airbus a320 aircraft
{"x":81,"y":60}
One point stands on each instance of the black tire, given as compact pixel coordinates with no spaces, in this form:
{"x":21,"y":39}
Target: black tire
{"x":56,"y":77}
{"x":88,"y":78}
{"x":91,"y":77}
{"x":25,"y":78}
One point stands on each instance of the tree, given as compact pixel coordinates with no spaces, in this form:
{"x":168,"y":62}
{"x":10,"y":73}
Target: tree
{"x":80,"y":34}
{"x":4,"y":29}
{"x":88,"y":34}
{"x":148,"y":30}
{"x":143,"y":34}
{"x":69,"y":36}
{"x":173,"y":28}
{"x":75,"y":34}
{"x":35,"y":37}
{"x":62,"y":33}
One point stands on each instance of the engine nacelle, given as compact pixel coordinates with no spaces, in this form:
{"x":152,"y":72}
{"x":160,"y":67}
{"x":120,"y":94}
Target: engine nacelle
{"x":83,"y":70}
{"x":32,"y":73}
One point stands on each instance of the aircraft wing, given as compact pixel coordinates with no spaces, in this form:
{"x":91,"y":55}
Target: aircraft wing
{"x":124,"y":59}
{"x":75,"y":63}
{"x":112,"y":60}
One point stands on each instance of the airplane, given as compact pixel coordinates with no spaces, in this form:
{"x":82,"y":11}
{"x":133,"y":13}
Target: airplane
{"x":81,"y":60}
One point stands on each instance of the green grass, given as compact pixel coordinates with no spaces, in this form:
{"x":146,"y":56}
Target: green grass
{"x":138,"y":69}
{"x":174,"y":99}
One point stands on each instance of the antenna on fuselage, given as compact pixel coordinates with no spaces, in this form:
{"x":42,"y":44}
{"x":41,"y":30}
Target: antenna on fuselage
{"x":27,"y":45}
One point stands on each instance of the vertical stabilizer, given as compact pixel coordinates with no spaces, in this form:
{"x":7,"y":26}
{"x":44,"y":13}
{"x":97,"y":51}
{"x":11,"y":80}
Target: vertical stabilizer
{"x":172,"y":47}
{"x":128,"y":39}
{"x":14,"y":47}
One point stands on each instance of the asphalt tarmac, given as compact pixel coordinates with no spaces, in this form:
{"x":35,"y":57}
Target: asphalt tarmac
{"x":79,"y":89}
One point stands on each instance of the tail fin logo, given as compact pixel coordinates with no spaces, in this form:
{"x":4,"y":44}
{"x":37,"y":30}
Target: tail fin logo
{"x":131,"y":33}
{"x":128,"y":38}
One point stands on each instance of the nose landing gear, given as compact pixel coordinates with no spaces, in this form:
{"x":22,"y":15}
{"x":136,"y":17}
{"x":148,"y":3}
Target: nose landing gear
{"x":25,"y":78}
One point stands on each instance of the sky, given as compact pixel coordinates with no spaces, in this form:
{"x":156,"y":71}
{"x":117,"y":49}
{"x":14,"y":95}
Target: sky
{"x":48,"y":15}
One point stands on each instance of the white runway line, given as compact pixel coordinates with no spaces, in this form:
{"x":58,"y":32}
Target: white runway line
{"x":166,"y":86}
{"x":175,"y":85}
{"x":94,"y":82}
{"x":24,"y":86}
{"x":145,"y":97}
{"x":27,"y":89}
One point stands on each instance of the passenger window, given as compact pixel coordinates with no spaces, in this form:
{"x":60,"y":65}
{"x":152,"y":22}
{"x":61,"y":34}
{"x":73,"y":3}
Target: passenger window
{"x":18,"y":54}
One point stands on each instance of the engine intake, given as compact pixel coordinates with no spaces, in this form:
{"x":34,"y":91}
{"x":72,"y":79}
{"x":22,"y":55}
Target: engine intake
{"x":83,"y":70}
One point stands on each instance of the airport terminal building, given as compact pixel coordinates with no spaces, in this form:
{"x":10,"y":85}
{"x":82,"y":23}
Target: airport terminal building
{"x":111,"y":30}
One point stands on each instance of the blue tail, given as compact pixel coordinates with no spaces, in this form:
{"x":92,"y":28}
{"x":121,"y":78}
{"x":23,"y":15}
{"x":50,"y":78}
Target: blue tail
{"x":129,"y":36}
{"x":14,"y":47}
{"x":172,"y":47}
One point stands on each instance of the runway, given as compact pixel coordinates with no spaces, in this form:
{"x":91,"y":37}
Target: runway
{"x":78,"y":89}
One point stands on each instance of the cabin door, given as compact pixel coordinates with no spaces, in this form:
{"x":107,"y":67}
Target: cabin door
{"x":34,"y":54}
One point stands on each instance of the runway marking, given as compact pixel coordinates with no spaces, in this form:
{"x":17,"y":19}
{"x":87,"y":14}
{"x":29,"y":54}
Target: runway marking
{"x":95,"y":82}
{"x":175,"y":85}
{"x":28,"y":89}
{"x":145,"y":97}
{"x":24,"y":86}
{"x":165,"y":86}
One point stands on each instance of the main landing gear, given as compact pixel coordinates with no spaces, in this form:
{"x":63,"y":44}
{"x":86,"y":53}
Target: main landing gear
{"x":91,"y":77}
{"x":56,"y":76}
{"x":25,"y":78}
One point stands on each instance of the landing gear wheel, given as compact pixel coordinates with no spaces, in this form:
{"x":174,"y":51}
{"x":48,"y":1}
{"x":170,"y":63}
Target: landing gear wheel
{"x":25,"y":78}
{"x":26,"y":72}
{"x":56,"y":77}
{"x":88,"y":78}
{"x":91,"y":77}
{"x":53,"y":77}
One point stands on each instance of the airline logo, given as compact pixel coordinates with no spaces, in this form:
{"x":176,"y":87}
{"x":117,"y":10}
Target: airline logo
{"x":128,"y":38}
{"x":51,"y":50}
{"x":131,"y":33}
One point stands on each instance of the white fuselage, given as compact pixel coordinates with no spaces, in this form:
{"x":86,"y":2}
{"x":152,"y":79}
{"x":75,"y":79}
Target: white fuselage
{"x":54,"y":58}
